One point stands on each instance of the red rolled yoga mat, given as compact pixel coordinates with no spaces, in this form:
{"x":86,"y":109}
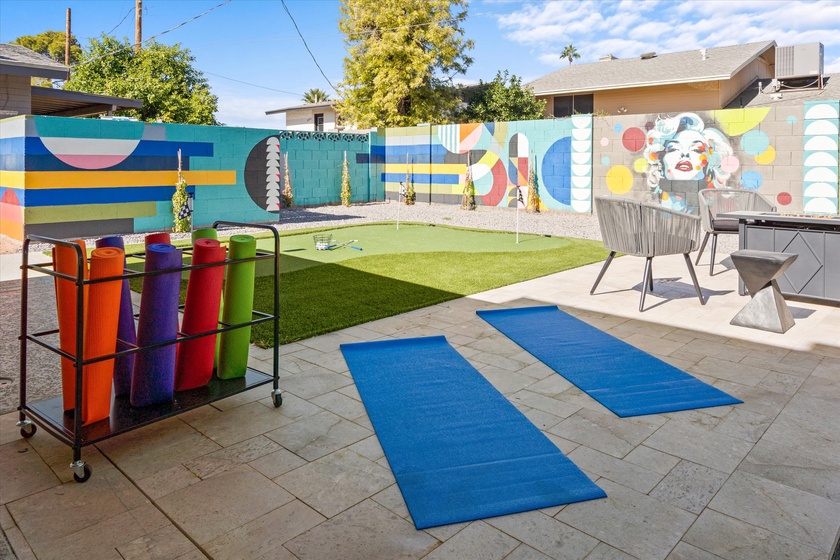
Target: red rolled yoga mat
{"x":126,"y":329}
{"x":238,"y":304}
{"x":162,"y":237}
{"x":194,"y":358}
{"x":153,"y":379}
{"x":65,"y":261}
{"x":102,"y":318}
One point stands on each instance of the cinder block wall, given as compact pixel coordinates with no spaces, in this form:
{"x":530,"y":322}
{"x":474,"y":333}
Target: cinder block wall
{"x":761,"y":149}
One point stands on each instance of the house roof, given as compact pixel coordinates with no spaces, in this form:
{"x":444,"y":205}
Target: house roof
{"x":20,"y":61}
{"x":312,"y":106}
{"x":789,"y":92}
{"x":721,"y":63}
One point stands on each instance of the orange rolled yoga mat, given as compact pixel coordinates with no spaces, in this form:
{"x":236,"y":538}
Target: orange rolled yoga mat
{"x":194,"y":358}
{"x":66,"y":261}
{"x":102,"y":317}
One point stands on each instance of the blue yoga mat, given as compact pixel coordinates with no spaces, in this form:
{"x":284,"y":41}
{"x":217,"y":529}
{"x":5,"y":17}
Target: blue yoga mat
{"x":458,"y":448}
{"x":621,"y":377}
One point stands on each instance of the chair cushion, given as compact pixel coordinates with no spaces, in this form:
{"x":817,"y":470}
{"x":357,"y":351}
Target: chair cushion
{"x":725,"y":224}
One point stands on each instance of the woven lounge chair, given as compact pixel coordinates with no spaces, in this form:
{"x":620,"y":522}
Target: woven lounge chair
{"x":717,"y":201}
{"x":646,"y":230}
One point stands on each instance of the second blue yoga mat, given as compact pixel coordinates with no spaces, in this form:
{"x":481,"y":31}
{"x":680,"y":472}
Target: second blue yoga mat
{"x":626,"y":380}
{"x":458,"y":448}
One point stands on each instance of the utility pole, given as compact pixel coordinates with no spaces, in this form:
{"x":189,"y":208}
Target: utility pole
{"x":67,"y":40}
{"x":138,"y":25}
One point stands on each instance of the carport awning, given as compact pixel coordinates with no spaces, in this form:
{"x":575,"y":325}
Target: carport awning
{"x":64,"y":103}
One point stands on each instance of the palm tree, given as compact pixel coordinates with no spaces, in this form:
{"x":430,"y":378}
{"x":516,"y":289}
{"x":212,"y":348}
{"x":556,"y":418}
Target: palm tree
{"x":316,"y":95}
{"x":570,"y":52}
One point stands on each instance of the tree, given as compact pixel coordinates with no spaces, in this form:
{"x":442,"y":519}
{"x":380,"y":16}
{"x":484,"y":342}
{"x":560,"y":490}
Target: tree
{"x":315,"y":95}
{"x":51,"y":44}
{"x":503,"y":99}
{"x":346,"y":190}
{"x":570,"y":52}
{"x":401,"y":58}
{"x":162,"y":77}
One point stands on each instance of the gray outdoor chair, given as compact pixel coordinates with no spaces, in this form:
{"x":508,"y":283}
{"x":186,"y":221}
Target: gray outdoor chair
{"x":717,"y":201}
{"x":646,"y":230}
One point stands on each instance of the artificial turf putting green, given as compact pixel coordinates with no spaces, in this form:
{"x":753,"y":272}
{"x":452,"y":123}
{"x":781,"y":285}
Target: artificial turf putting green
{"x":397,"y":271}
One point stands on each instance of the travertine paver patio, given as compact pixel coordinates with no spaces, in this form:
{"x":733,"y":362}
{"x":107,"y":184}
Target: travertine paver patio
{"x":241,"y":479}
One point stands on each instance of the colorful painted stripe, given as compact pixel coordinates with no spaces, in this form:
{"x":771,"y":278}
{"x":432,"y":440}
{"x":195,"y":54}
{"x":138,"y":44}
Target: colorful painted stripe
{"x":87,"y":212}
{"x":111,"y":179}
{"x":63,"y":197}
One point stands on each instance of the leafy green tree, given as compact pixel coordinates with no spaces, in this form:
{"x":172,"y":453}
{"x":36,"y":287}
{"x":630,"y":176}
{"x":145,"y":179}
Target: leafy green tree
{"x":51,"y":44}
{"x":570,"y":53}
{"x":401,"y":58}
{"x":503,"y":99}
{"x":315,"y":95}
{"x":159,"y":75}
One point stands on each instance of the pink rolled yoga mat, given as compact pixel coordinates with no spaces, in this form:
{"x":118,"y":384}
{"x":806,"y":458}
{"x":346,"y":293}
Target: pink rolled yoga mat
{"x":194,"y":358}
{"x":153,"y":379}
{"x":102,"y":318}
{"x":65,"y":261}
{"x":126,"y":330}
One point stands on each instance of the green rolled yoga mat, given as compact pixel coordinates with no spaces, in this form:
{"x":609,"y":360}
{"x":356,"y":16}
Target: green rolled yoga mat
{"x":238,"y":303}
{"x":204,"y":233}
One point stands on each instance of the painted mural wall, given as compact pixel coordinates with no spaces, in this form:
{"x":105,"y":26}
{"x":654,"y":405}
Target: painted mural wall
{"x":788,"y":154}
{"x":498,"y":156}
{"x":64,"y":177}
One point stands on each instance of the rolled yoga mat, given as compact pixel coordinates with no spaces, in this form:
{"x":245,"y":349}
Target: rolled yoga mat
{"x":238,"y":304}
{"x":65,"y":261}
{"x":194,"y":358}
{"x":161,"y":237}
{"x":153,"y":379}
{"x":102,"y":318}
{"x":126,"y":329}
{"x":204,"y":233}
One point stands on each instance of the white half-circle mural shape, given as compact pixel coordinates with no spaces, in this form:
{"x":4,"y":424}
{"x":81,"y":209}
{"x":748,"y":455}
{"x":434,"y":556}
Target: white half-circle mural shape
{"x":581,"y":158}
{"x":822,"y":111}
{"x":821,"y":159}
{"x":821,"y":174}
{"x":581,"y":205}
{"x":821,"y":127}
{"x":581,"y":145}
{"x":580,"y":170}
{"x":582,"y":122}
{"x":580,"y":194}
{"x":821,"y":189}
{"x":821,"y":206}
{"x":90,"y":153}
{"x":821,"y":143}
{"x":581,"y":133}
{"x":581,"y":182}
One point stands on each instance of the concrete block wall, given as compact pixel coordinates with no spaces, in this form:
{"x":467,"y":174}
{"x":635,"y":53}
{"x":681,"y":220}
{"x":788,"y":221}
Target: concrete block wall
{"x":756,"y":148}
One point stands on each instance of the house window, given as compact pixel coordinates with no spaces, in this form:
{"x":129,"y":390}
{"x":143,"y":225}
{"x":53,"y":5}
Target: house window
{"x":569,"y":105}
{"x":319,"y":122}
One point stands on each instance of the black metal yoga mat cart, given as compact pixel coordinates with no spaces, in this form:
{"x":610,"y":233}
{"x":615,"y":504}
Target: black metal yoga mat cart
{"x":49,"y":414}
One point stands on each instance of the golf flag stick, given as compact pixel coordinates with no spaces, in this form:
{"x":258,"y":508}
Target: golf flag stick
{"x":399,"y":202}
{"x":519,"y":201}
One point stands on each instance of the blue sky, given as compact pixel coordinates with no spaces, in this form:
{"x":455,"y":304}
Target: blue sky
{"x":255,"y":61}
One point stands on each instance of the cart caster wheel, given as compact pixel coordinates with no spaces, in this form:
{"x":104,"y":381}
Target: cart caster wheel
{"x":277,"y":398}
{"x":85,"y":477}
{"x":28,"y":430}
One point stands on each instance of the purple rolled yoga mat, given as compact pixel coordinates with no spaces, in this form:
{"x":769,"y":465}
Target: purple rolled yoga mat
{"x":153,"y":379}
{"x":126,"y":329}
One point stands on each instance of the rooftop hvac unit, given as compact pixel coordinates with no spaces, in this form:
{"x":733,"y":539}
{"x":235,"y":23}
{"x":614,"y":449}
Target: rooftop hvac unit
{"x":799,"y":61}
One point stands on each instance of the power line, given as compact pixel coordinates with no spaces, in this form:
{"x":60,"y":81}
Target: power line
{"x":250,"y":84}
{"x":307,"y":46}
{"x":152,"y":38}
{"x":121,"y":21}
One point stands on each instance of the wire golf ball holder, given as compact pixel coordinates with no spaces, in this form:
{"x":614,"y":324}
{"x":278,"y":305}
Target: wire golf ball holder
{"x":323,"y":241}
